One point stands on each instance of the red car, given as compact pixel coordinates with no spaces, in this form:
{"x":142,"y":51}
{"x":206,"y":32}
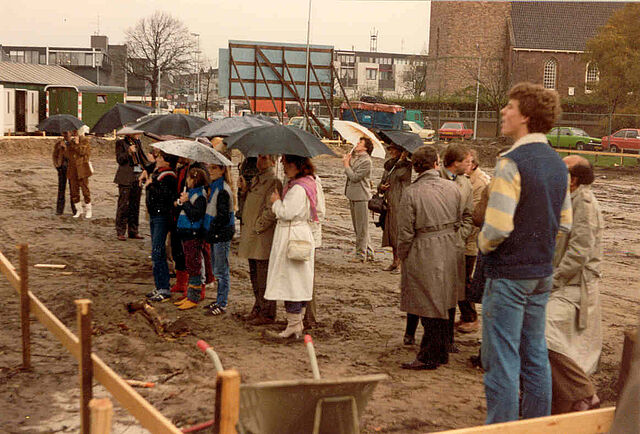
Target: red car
{"x":622,"y":140}
{"x":454,"y":130}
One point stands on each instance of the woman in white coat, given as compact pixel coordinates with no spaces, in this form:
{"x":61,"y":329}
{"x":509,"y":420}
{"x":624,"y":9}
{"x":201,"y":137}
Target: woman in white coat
{"x":291,"y":280}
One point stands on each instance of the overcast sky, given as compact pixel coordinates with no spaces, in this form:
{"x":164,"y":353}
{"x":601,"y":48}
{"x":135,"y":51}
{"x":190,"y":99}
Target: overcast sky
{"x":402,"y":25}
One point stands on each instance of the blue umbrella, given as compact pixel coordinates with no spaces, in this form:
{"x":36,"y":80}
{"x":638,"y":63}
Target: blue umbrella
{"x":227,"y":126}
{"x":275,"y":140}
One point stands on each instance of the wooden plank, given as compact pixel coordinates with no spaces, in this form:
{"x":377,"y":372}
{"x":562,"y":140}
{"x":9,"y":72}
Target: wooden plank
{"x":227,"y":402}
{"x":10,"y":272}
{"x":101,"y":413}
{"x":56,"y":266}
{"x":24,"y":306}
{"x":148,"y":416}
{"x":85,"y":367}
{"x":584,"y":422}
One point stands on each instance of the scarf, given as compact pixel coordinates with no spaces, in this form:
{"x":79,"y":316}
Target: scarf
{"x":309,"y":185}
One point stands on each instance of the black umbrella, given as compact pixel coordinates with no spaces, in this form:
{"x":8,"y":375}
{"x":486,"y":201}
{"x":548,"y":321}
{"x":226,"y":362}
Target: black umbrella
{"x":403,"y":139}
{"x":277,"y":139}
{"x":58,"y":124}
{"x":227,"y":126}
{"x":119,"y":115}
{"x":174,"y":124}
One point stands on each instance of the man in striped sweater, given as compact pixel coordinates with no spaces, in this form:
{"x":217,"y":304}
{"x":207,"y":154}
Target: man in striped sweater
{"x":529,"y":202}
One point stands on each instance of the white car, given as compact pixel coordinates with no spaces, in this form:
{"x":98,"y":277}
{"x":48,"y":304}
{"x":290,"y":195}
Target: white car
{"x":413,"y":127}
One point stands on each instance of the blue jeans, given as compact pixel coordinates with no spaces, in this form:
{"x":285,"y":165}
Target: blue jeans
{"x":220,"y":265}
{"x":159,"y":230}
{"x":514,"y":348}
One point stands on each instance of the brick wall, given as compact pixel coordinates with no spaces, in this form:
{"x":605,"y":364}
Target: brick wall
{"x":570,"y":72}
{"x":456,"y":27}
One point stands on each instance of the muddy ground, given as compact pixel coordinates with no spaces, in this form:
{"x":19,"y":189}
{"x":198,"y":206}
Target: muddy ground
{"x":360,"y":330}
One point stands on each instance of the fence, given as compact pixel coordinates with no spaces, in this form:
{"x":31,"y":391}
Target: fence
{"x":96,"y":414}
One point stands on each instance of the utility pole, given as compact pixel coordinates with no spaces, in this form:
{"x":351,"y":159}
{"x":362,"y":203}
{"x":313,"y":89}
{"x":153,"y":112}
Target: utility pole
{"x":306,"y":82}
{"x":196,"y":93}
{"x":475,"y":120}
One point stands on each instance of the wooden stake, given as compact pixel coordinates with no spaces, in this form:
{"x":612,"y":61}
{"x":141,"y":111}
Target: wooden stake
{"x":24,"y":305}
{"x":227,"y":402}
{"x":101,"y":412}
{"x":86,"y":365}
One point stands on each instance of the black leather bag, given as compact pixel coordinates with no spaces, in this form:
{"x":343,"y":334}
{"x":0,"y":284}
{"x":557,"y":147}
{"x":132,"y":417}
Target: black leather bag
{"x":377,"y":204}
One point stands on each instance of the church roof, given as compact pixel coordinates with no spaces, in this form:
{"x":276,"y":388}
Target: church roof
{"x":558,"y":25}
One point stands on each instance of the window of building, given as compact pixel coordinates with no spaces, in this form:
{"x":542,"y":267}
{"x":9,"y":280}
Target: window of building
{"x":549,"y":77}
{"x":347,"y":73}
{"x":347,"y":58}
{"x":386,"y":75}
{"x":101,"y":99}
{"x":16,"y":56}
{"x":33,"y":103}
{"x":88,"y":59}
{"x":42,"y":59}
{"x":364,"y":59}
{"x":592,"y":77}
{"x":53,"y":58}
{"x":372,"y":73}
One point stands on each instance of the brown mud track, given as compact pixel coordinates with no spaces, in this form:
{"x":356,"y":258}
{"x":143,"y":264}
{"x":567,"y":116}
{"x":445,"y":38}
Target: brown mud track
{"x":360,"y":330}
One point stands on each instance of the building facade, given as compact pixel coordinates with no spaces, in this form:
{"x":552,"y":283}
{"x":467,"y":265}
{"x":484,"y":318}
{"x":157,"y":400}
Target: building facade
{"x":373,"y":73}
{"x":538,"y":41}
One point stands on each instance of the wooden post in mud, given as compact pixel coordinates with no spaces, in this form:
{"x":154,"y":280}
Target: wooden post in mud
{"x":24,"y":305}
{"x":628,"y":349}
{"x":83,"y":308}
{"x":227,"y":408}
{"x":101,"y":412}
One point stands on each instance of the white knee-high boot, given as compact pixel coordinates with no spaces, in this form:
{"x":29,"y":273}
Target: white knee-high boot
{"x":79,"y":210}
{"x":88,"y":212}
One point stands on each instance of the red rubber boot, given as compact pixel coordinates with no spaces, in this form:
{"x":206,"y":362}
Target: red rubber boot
{"x":182,"y":282}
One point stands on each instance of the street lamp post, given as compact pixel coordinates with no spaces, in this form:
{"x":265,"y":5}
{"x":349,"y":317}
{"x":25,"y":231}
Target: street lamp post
{"x":196,"y":93}
{"x":475,"y":120}
{"x":306,"y":83}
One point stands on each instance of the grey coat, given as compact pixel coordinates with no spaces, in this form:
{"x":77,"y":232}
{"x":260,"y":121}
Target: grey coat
{"x":358,"y":173}
{"x":429,"y":246}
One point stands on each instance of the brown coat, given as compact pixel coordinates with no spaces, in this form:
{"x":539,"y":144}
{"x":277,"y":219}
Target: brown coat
{"x":79,"y":155}
{"x":258,"y":220}
{"x":479,"y":182}
{"x":59,"y":153}
{"x":398,"y":177}
{"x":429,"y":246}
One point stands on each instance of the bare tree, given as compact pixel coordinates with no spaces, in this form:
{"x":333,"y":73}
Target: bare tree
{"x":158,"y":45}
{"x":415,"y":77}
{"x":494,"y":84}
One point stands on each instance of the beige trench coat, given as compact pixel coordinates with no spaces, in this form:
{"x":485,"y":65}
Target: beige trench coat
{"x":479,"y":182}
{"x":429,"y":246}
{"x":573,"y":311}
{"x":258,"y":220}
{"x":398,"y":178}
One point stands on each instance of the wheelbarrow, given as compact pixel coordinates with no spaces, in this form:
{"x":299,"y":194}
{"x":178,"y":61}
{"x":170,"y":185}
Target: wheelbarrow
{"x":303,"y":406}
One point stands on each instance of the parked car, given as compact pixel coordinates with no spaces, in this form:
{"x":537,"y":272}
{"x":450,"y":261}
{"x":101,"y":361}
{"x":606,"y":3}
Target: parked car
{"x":454,"y":130}
{"x":413,"y":127}
{"x":573,"y":138}
{"x":627,"y":139}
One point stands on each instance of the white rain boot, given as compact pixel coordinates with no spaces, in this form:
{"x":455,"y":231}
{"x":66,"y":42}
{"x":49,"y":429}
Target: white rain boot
{"x":88,"y":214}
{"x":292,"y":332}
{"x":79,"y":210}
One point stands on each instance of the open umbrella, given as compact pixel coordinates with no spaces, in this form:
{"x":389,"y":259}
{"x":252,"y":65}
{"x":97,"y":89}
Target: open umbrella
{"x":193,"y":150}
{"x":352,"y":132}
{"x":57,"y":124}
{"x":405,"y":140}
{"x":174,"y":124}
{"x":227,"y":126}
{"x":275,"y":140}
{"x":119,"y":115}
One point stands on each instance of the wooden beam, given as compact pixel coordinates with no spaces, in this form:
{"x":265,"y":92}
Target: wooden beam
{"x":24,"y":306}
{"x":273,"y":101}
{"x":85,"y":368}
{"x":584,"y":422}
{"x":10,"y":272}
{"x":101,"y":413}
{"x":244,"y":91}
{"x":346,"y":98}
{"x":227,"y":402}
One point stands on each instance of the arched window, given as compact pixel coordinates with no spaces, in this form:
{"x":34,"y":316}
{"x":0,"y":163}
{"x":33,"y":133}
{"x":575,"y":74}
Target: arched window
{"x":549,"y":77}
{"x":592,"y":77}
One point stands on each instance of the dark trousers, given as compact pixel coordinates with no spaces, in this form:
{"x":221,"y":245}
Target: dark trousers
{"x":468,"y":311}
{"x":177,"y":252}
{"x":433,"y":346}
{"x":128,"y":209}
{"x":159,"y":228}
{"x":62,"y":189}
{"x":258,"y":273}
{"x":412,"y":324}
{"x":451,"y":325}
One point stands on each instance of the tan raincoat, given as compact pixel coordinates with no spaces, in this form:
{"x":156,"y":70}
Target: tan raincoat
{"x":573,"y":311}
{"x":429,"y":246}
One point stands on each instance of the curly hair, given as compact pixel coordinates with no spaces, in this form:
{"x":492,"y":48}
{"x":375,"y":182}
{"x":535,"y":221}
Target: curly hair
{"x":303,"y":164}
{"x":200,"y":177}
{"x":540,"y":105}
{"x":368,"y":144}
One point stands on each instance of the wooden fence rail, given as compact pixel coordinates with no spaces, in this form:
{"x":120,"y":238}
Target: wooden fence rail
{"x":148,"y":416}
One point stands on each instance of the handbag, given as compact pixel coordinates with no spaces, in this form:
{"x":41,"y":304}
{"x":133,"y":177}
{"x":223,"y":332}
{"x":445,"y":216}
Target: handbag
{"x":377,"y":204}
{"x":298,"y":250}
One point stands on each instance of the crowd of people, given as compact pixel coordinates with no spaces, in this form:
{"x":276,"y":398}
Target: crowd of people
{"x":525,"y":243}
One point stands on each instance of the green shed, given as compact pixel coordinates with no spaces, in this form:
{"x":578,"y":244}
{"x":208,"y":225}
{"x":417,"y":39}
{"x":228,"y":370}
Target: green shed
{"x":88,"y":103}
